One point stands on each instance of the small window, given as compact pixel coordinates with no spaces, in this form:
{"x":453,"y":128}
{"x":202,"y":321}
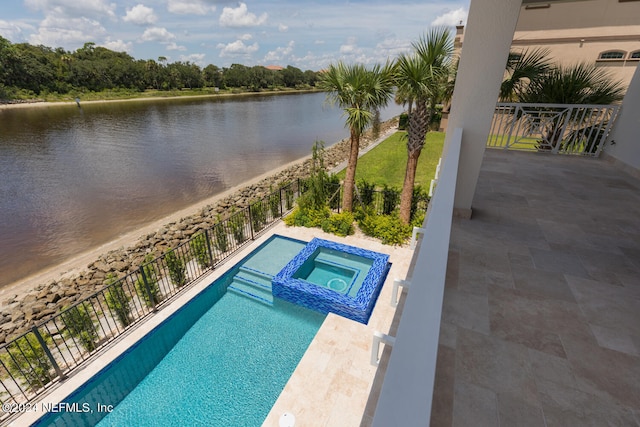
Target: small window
{"x":635,"y":55}
{"x":614,"y":54}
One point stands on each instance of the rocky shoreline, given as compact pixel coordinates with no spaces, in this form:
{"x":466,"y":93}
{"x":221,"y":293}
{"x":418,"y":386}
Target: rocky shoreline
{"x":19,"y":312}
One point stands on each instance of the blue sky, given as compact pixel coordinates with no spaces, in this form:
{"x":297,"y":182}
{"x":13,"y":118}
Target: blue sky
{"x":305,"y":34}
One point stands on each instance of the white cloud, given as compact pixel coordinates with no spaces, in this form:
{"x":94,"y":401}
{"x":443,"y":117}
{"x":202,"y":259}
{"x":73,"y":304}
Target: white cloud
{"x":351,"y":47}
{"x":14,"y":31}
{"x":281,"y":53}
{"x":157,"y":34}
{"x":240,"y":17}
{"x":66,"y":32}
{"x":140,"y":15}
{"x":245,"y":37}
{"x":392,"y":47}
{"x":282,"y":28}
{"x":189,"y":7}
{"x":237,"y":48}
{"x":194,"y":58}
{"x":96,"y":9}
{"x":451,"y":18}
{"x":118,"y":45}
{"x":175,"y":46}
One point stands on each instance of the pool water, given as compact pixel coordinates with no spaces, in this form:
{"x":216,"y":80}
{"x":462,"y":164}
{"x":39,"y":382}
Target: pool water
{"x":227,"y":370}
{"x":220,"y":360}
{"x":336,"y":270}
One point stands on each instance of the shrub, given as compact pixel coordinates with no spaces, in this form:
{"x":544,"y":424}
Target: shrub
{"x":274,"y":204}
{"x":390,"y":198}
{"x":118,"y":300}
{"x":236,"y":223}
{"x":25,"y":359}
{"x":388,"y":228}
{"x":200,"y":249}
{"x":288,"y":197}
{"x":151,"y":296}
{"x":220,"y":237}
{"x":307,"y":217}
{"x":315,"y":187}
{"x":339,"y":224}
{"x":258,"y":216}
{"x":332,"y":191}
{"x":417,"y":196}
{"x":80,"y":325}
{"x":367,"y":191}
{"x":177,"y":268}
{"x":403,"y":121}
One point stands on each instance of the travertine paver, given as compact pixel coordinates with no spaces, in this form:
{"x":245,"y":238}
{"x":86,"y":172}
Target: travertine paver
{"x":541,"y":318}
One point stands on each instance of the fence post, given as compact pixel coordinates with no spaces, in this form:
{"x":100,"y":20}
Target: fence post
{"x":148,"y":289}
{"x":281,"y":200}
{"x":209,"y":250}
{"x":43,"y":344}
{"x":250,"y":222}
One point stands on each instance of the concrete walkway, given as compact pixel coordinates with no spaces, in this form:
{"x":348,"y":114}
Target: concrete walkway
{"x":541,"y":318}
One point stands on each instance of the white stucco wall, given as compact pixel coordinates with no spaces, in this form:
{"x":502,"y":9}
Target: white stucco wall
{"x":623,"y":143}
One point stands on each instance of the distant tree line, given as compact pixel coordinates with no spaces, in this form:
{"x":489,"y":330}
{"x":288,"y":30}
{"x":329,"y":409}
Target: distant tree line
{"x":26,"y":69}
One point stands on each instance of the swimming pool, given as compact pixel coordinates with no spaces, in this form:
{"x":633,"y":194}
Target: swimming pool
{"x":222,"y":359}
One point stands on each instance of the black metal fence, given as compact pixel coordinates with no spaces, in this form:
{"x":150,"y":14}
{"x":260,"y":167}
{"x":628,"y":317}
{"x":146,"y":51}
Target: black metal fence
{"x":379,"y":201}
{"x":37,"y":359}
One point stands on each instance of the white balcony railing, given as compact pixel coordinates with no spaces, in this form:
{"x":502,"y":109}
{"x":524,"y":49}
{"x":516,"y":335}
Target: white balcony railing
{"x":553,"y":128}
{"x":407,"y":390}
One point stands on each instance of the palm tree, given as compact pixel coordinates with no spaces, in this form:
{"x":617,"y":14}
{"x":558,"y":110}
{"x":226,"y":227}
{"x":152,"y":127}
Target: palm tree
{"x":523,"y":69}
{"x":422,"y":78}
{"x":575,"y":84}
{"x":359,"y":91}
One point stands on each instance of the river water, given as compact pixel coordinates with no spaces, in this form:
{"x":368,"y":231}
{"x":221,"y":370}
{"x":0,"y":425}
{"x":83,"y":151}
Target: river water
{"x":74,"y":178}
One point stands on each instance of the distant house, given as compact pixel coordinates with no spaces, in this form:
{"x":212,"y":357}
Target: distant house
{"x":274,"y":67}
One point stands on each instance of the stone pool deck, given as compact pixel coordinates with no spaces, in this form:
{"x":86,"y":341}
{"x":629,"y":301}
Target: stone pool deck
{"x":331,"y":385}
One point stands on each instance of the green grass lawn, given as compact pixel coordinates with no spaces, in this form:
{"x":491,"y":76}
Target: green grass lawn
{"x":386,"y":163}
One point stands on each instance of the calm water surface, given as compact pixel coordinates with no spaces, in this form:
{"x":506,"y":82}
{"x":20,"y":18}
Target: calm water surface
{"x":74,"y":178}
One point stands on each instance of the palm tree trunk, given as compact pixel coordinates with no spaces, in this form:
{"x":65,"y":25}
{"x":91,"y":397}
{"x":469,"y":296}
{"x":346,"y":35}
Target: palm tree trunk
{"x":407,"y":186}
{"x":350,"y":175}
{"x":416,"y":132}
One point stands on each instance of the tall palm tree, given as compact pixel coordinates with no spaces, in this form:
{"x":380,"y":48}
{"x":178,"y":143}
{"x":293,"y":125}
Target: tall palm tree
{"x":359,"y":91}
{"x":422,"y":78}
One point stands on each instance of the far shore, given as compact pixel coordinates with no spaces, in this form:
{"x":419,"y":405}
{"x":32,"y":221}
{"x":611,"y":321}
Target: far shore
{"x":44,"y":104}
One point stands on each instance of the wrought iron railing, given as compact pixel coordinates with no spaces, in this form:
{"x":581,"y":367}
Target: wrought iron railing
{"x":552,"y":128}
{"x":380,"y":201}
{"x":32,"y":362}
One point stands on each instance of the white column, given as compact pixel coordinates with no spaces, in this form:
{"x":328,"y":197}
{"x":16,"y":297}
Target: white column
{"x":623,"y":142}
{"x":487,"y":40}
